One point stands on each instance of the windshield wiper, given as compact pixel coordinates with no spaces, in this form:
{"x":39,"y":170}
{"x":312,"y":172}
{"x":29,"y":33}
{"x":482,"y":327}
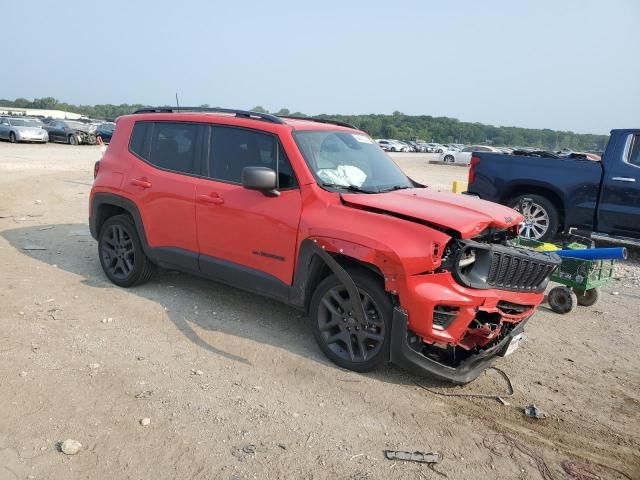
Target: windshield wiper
{"x":395,"y":187}
{"x":351,"y":188}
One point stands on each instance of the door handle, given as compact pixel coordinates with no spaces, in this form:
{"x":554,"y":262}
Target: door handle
{"x":141,"y":182}
{"x":212,"y":199}
{"x":623,"y":179}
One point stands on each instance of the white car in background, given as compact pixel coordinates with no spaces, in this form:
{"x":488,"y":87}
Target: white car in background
{"x":464,"y":156}
{"x":392,"y":145}
{"x":435,"y":148}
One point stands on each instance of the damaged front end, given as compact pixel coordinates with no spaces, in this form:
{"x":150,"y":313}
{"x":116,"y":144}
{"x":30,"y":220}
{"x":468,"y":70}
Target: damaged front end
{"x":86,"y":137}
{"x":467,"y":312}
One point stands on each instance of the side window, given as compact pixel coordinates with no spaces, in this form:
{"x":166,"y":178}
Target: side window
{"x":173,"y":146}
{"x":634,"y":151}
{"x":286,"y":176}
{"x":139,"y":143}
{"x":233,"y":149}
{"x":167,"y":145}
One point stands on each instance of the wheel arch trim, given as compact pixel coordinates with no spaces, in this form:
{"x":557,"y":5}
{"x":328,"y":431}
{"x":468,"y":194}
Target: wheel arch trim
{"x":101,"y":199}
{"x":312,"y":257}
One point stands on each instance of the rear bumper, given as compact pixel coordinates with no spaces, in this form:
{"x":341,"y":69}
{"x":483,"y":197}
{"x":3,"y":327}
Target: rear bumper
{"x":403,"y":355}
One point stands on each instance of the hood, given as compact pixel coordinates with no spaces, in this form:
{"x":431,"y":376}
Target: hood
{"x":466,"y":215}
{"x":84,"y":128}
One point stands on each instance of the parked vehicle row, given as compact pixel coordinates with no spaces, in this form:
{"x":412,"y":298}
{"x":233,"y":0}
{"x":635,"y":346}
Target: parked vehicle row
{"x":394,"y":145}
{"x":72,"y":132}
{"x":390,"y":145}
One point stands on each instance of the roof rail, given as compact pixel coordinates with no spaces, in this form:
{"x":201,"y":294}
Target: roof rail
{"x":238,"y":113}
{"x":321,"y":120}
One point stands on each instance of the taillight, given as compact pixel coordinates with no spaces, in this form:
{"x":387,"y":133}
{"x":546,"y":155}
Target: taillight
{"x":472,"y":169}
{"x":96,"y":168}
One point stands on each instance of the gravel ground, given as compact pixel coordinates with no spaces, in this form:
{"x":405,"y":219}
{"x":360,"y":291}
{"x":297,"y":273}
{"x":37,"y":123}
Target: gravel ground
{"x":185,"y":378}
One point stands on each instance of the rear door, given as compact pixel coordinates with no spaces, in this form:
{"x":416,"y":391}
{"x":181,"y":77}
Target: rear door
{"x":619,"y":208}
{"x":244,"y":235}
{"x":161,"y":181}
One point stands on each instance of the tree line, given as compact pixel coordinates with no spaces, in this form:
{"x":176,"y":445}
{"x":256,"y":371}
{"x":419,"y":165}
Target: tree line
{"x":397,"y":126}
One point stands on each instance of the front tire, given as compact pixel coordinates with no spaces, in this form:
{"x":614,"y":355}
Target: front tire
{"x":449,"y":158}
{"x":12,"y":138}
{"x":73,"y":140}
{"x":342,"y":338}
{"x":121,"y":254}
{"x":562,"y":299}
{"x":541,"y":220}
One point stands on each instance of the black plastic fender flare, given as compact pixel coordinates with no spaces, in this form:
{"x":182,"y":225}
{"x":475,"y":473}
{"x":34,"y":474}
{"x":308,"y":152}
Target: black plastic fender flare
{"x":346,"y":280}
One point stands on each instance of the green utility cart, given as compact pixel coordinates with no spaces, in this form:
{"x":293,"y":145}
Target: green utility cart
{"x":580,"y":278}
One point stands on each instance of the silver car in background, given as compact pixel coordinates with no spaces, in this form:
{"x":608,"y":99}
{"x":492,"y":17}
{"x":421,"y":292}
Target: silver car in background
{"x":464,"y":156}
{"x":22,"y":130}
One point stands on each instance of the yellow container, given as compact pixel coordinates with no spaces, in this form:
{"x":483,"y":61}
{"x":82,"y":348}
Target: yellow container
{"x":459,"y":187}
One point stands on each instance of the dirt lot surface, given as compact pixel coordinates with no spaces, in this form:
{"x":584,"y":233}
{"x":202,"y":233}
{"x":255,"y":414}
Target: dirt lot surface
{"x":234,"y":386}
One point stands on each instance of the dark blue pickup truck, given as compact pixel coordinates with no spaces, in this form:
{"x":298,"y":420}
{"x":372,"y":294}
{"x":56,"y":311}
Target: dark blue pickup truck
{"x":556,"y":194}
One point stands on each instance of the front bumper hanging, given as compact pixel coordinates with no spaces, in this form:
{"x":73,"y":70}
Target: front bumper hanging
{"x":402,"y":354}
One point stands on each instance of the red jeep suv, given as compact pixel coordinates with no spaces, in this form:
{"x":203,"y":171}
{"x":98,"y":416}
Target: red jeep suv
{"x":313,"y":213}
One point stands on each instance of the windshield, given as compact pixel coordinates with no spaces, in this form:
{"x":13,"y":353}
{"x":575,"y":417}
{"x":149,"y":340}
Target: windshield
{"x":351,"y":161}
{"x":19,"y":122}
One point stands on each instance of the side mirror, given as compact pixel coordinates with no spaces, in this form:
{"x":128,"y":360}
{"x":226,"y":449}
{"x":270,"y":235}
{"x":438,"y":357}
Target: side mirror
{"x":260,"y":178}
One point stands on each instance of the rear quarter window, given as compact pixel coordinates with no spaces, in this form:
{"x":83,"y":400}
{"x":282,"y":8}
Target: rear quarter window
{"x":139,"y":144}
{"x":634,"y":151}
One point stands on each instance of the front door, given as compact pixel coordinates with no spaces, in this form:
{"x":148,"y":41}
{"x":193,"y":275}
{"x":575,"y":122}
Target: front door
{"x":247,"y":238}
{"x":55,"y":130}
{"x":619,"y":208}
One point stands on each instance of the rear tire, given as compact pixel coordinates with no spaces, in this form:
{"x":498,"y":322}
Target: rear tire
{"x":449,"y":158}
{"x":541,"y":221}
{"x":587,"y":298}
{"x":121,"y":254}
{"x":340,"y":336}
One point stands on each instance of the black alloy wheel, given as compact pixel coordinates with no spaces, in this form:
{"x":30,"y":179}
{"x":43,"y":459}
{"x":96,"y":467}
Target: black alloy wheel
{"x":121,"y":254}
{"x":351,"y":343}
{"x":118,"y":252}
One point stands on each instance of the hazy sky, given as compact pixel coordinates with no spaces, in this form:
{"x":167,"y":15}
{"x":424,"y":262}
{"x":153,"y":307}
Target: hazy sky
{"x":562,"y":64}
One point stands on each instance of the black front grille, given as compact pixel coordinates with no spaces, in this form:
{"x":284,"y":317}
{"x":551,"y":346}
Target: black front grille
{"x":516,"y":272}
{"x":502,"y":267}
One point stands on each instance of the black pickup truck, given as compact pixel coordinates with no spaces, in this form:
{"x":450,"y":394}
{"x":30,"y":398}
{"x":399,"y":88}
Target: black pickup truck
{"x":556,"y":194}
